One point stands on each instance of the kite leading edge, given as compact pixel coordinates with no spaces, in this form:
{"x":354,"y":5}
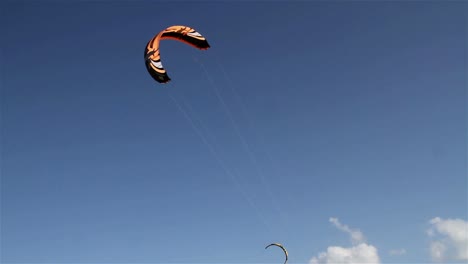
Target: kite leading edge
{"x":282,"y":247}
{"x":183,"y":34}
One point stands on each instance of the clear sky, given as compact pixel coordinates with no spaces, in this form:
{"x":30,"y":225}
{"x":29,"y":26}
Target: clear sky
{"x":307,"y":123}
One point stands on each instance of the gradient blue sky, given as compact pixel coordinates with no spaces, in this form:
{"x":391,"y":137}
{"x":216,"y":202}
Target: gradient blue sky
{"x":302,"y":111}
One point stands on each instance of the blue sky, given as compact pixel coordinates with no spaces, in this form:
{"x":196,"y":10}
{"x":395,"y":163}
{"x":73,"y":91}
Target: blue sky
{"x":305,"y":123}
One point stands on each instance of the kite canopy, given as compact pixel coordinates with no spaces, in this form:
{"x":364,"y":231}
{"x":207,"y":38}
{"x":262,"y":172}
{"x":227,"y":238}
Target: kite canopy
{"x":183,"y":34}
{"x":281,"y":246}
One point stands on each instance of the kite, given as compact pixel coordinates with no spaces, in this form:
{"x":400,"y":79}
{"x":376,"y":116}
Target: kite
{"x":183,"y":34}
{"x":281,"y":246}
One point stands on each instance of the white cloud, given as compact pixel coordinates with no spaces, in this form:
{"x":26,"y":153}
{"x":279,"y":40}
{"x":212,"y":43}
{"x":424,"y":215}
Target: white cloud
{"x":452,"y":242}
{"x":397,"y":252}
{"x":437,"y":251}
{"x":360,"y":252}
{"x":356,"y":235}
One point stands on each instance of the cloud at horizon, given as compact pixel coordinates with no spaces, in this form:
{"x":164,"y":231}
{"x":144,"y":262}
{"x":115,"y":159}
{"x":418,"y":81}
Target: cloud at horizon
{"x":449,"y":239}
{"x":359,"y":252}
